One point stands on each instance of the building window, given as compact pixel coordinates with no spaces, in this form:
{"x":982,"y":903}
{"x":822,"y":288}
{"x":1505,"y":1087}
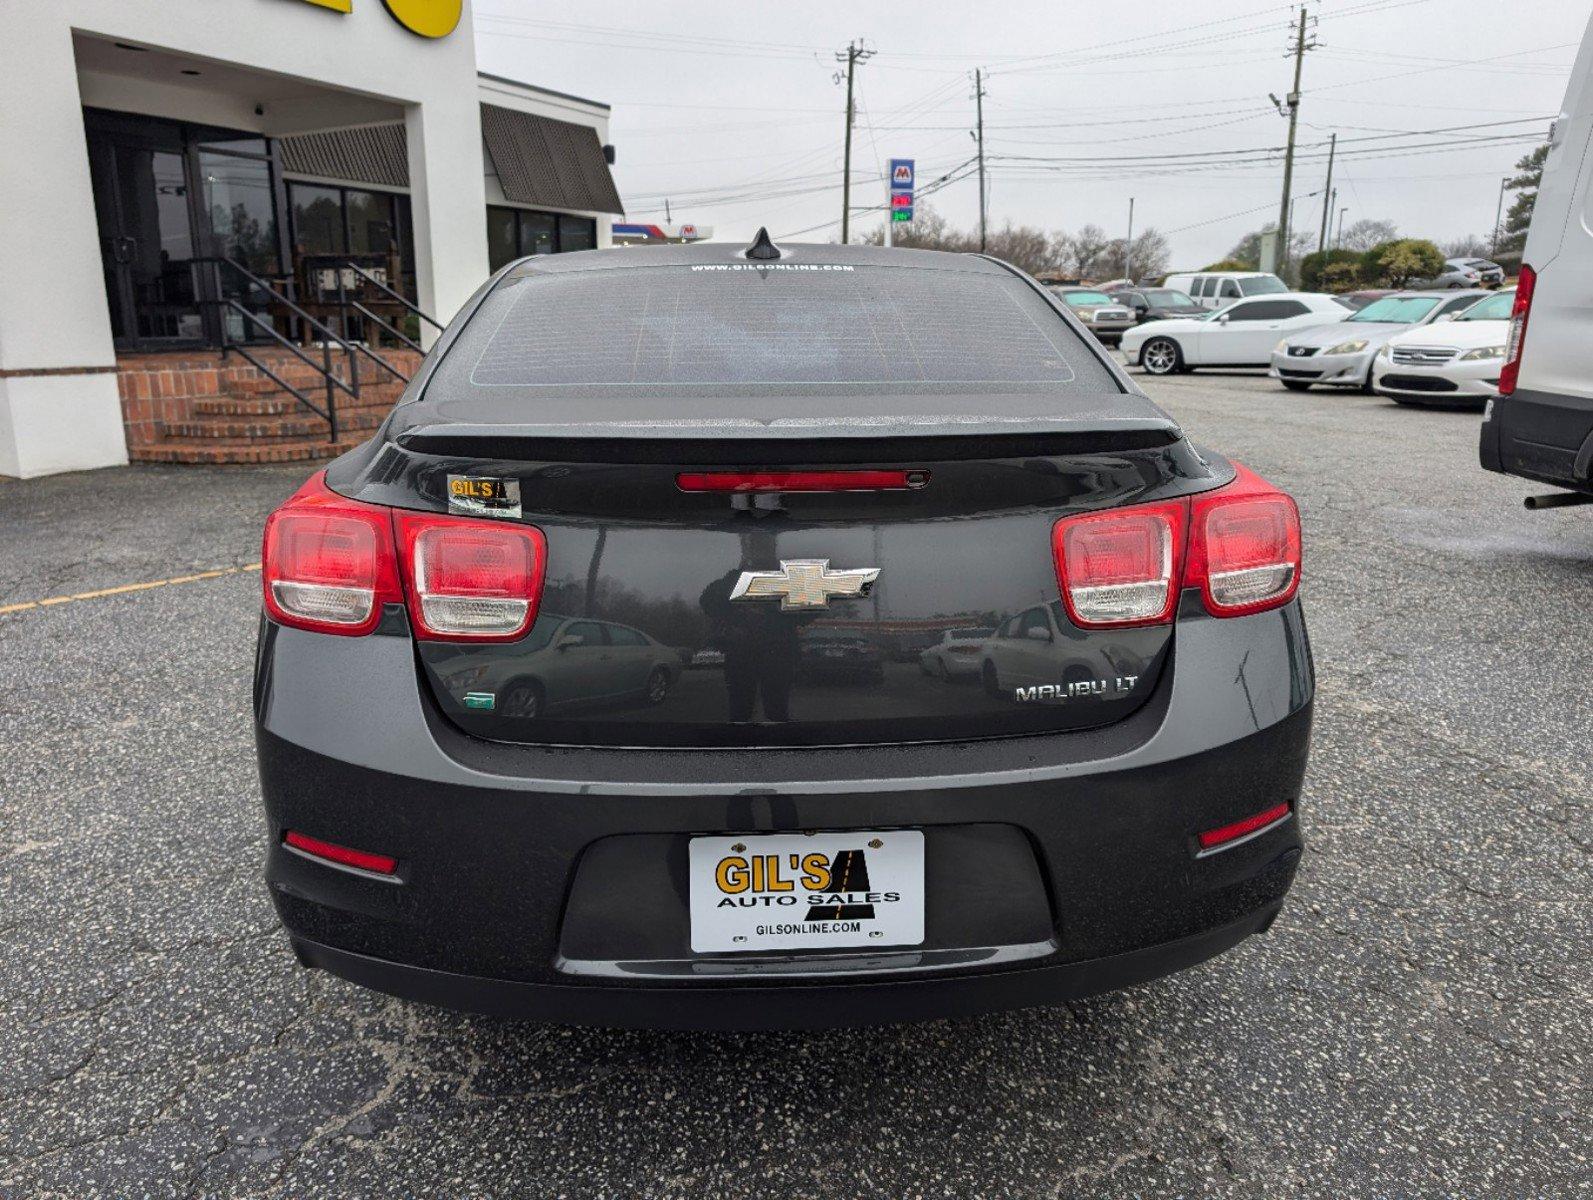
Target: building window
{"x":343,"y":220}
{"x":515,"y":232}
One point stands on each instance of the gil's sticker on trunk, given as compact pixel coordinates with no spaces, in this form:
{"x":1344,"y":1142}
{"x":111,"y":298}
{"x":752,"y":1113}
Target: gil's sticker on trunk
{"x":484,"y":496}
{"x":806,"y":891}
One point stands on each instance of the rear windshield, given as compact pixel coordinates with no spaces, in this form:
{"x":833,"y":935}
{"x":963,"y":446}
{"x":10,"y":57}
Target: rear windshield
{"x":1261,"y":285}
{"x":770,"y":328}
{"x":1397,"y":309}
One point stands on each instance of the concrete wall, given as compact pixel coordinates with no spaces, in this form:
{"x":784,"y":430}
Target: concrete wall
{"x":58,"y":404}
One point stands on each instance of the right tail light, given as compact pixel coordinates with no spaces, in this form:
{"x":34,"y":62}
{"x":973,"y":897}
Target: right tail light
{"x":1239,"y":544}
{"x":1519,"y":311}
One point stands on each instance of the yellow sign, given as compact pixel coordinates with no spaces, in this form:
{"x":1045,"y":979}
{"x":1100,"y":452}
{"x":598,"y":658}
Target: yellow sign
{"x":429,"y":18}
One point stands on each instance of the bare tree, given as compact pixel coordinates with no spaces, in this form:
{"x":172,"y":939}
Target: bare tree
{"x":1025,"y":247}
{"x":1084,"y":253}
{"x":1150,"y":260}
{"x":1247,"y":249}
{"x":1364,"y":234}
{"x":1470,"y":246}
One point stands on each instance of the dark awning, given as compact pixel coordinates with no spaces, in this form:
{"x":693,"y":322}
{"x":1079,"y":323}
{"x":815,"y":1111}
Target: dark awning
{"x":547,"y":162}
{"x":369,"y":154}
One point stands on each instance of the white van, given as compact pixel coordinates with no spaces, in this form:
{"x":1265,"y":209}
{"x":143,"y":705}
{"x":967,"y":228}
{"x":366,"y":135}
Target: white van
{"x":1213,"y":289}
{"x":1540,"y":426}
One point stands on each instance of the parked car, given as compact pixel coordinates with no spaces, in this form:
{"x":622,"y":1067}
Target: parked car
{"x":1453,"y":363}
{"x":568,"y":663}
{"x":1540,"y":426}
{"x":1463,"y":273}
{"x":1341,"y":354}
{"x":956,"y":655}
{"x":1216,"y":289}
{"x":1359,"y":300}
{"x":1102,"y":316}
{"x":1157,"y":303}
{"x":827,"y":656}
{"x":759,"y":848}
{"x":1241,"y":335}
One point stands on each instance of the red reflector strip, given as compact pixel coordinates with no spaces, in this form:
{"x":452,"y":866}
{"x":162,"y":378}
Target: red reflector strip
{"x":363,"y":859}
{"x":800,"y":481}
{"x":1213,"y":838}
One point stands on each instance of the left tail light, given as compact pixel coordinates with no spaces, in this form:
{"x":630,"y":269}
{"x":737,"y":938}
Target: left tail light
{"x":471,"y":580}
{"x":329,"y":564}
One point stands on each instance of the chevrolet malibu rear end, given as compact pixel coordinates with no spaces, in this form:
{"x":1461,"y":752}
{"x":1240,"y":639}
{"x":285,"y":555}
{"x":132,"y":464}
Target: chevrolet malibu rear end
{"x":491,"y":784}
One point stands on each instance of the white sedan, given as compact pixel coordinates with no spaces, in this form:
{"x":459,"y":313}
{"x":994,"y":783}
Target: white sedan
{"x":1240,"y":335}
{"x":1455,"y":363}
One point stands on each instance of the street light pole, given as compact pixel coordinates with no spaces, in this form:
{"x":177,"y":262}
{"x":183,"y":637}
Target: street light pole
{"x":1340,"y":238}
{"x":1128,"y":246}
{"x":1498,"y":216}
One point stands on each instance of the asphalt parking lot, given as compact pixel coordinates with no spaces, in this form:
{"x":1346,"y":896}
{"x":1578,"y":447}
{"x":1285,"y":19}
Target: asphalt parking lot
{"x":1416,"y":1024}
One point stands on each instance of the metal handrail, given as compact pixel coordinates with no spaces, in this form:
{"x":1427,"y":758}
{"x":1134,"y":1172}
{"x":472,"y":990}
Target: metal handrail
{"x":331,"y":381}
{"x":392,"y":329}
{"x":375,"y":282}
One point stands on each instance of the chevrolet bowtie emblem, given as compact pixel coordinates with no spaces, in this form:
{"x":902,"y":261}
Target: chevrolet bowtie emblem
{"x":804,"y":583}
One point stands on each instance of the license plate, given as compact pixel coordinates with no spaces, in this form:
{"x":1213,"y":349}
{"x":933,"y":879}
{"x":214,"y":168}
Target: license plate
{"x":807,"y":891}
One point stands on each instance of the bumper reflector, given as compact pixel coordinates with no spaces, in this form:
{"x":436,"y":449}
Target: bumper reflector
{"x":1227,"y":835}
{"x":381,"y":864}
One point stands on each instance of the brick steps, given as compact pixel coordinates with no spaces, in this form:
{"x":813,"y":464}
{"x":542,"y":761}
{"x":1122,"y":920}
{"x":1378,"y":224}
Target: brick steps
{"x":196,"y":408}
{"x":276,"y":428}
{"x":213,"y":451}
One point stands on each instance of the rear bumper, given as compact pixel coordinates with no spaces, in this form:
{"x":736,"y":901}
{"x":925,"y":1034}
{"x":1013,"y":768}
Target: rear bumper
{"x":1540,"y":436}
{"x":1077,"y":871}
{"x":799,"y":1006}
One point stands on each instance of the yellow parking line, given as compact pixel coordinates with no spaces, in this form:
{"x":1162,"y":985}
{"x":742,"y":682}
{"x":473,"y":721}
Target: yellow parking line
{"x":123,"y":589}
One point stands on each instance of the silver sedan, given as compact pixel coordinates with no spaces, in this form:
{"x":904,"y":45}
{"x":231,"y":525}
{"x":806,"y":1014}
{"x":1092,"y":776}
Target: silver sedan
{"x":1341,"y":354}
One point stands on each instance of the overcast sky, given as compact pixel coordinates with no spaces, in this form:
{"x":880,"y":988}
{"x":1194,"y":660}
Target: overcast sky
{"x":730,"y":108}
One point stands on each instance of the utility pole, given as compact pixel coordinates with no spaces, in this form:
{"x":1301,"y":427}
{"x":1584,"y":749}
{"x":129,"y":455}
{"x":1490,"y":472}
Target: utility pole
{"x":666,"y":212}
{"x":1290,"y":108}
{"x":1128,"y":245}
{"x":979,"y":136}
{"x":1327,"y":196}
{"x":853,"y":54}
{"x":1498,"y":217}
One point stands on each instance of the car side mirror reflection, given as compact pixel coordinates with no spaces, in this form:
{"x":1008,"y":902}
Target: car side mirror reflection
{"x":570,"y":641}
{"x":1036,"y":634}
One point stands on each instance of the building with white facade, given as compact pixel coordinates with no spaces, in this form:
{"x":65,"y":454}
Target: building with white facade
{"x":202,"y":198}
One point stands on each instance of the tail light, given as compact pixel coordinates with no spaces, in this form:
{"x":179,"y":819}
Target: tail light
{"x":330,"y":564}
{"x":471,"y":580}
{"x":1120,"y":567}
{"x":1519,"y":311}
{"x":1244,"y":546}
{"x":1239,"y":544}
